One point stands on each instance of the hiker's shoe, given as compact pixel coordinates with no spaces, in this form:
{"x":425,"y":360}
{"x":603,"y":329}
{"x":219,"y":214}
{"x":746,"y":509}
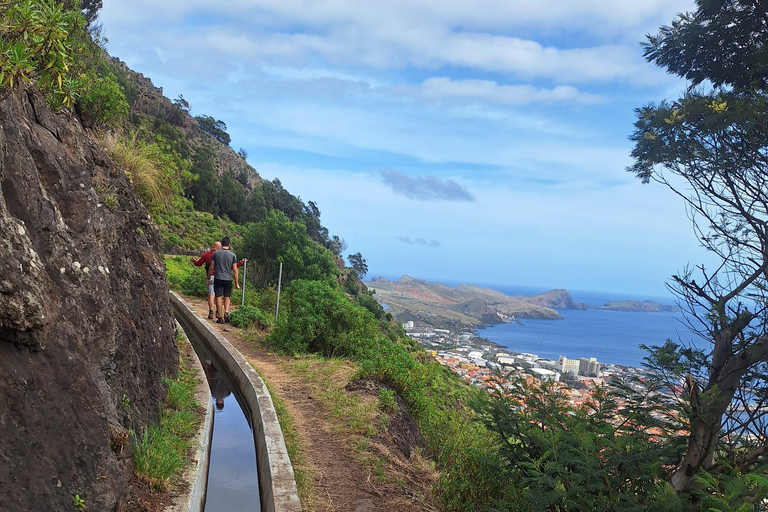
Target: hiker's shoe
{"x":226,"y":318}
{"x":219,"y":320}
{"x":210,"y":314}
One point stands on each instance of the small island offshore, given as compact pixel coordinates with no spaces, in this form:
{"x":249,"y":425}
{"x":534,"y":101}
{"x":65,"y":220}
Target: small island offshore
{"x":471,"y":306}
{"x":646,"y":306}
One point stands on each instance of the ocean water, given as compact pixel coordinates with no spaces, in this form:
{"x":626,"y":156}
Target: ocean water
{"x":610,"y":336}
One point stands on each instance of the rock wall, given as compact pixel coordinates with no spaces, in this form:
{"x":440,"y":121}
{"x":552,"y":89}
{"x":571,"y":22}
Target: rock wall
{"x":86,"y":333}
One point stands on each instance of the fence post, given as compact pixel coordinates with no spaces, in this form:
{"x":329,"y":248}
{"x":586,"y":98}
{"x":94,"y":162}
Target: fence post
{"x":279,"y":282}
{"x":245,"y":267}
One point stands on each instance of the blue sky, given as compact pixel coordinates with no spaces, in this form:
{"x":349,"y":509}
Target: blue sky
{"x":482,"y":142}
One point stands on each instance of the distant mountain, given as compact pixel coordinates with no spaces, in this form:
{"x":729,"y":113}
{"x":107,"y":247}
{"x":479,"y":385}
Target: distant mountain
{"x":556,"y":299}
{"x":646,"y":306}
{"x":464,"y":305}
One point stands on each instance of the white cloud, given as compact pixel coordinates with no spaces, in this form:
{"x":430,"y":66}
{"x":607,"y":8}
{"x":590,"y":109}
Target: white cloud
{"x":444,"y":88}
{"x":398,"y":35}
{"x":611,"y":16}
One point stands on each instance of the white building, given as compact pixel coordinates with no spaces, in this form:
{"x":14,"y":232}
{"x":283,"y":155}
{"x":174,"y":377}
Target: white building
{"x":548,"y":364}
{"x":569,"y":366}
{"x":589,"y":367}
{"x":542,"y":374}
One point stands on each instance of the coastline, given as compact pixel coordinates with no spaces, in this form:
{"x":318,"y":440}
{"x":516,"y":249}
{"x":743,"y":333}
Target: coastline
{"x":613,"y":337}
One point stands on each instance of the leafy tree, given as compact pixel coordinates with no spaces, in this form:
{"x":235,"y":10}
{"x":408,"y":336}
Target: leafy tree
{"x":105,"y":100}
{"x":315,"y":230}
{"x":181,"y":103}
{"x":204,"y":191}
{"x":231,"y":201}
{"x":336,"y":245}
{"x":255,"y":206}
{"x":722,"y":43}
{"x":278,"y":198}
{"x":276,"y":239}
{"x":711,"y":148}
{"x":90,"y":9}
{"x":358,"y":264}
{"x":216,"y":129}
{"x":242,"y":153}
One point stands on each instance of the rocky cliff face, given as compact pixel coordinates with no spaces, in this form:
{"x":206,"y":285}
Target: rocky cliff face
{"x":85,"y":330}
{"x":555,"y":299}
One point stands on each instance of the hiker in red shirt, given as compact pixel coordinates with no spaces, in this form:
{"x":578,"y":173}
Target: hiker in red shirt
{"x":206,"y":258}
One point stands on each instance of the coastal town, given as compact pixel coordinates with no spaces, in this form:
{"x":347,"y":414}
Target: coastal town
{"x":478,"y":360}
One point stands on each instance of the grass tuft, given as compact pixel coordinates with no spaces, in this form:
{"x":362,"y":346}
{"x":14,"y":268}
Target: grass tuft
{"x":147,"y":176}
{"x":161,"y":452}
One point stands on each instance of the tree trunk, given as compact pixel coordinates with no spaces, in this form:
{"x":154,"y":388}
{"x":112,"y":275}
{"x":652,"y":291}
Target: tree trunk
{"x":709,"y":406}
{"x":702,"y":441}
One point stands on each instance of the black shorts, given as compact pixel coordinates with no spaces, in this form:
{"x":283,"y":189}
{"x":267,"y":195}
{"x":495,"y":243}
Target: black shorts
{"x":222,"y":288}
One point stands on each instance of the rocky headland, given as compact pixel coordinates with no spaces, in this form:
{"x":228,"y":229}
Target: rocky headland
{"x":468,"y":306}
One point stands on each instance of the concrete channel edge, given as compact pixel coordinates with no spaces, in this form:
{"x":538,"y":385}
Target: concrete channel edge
{"x":277,"y":483}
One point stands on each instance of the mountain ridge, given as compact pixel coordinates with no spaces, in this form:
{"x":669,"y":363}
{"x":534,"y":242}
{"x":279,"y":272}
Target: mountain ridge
{"x":473,"y":306}
{"x":465,"y":305}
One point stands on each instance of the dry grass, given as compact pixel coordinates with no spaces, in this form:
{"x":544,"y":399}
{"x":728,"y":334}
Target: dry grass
{"x":145,"y":174}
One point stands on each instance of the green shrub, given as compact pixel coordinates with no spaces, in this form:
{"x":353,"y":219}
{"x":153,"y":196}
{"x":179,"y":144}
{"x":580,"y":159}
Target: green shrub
{"x":172,"y":239}
{"x":278,"y":239}
{"x":195,"y":284}
{"x":178,"y":269}
{"x":387,"y":401}
{"x":104,"y":99}
{"x":267,"y":299}
{"x":316,"y":317}
{"x":40,"y":42}
{"x":369,"y":303}
{"x":249,"y":316}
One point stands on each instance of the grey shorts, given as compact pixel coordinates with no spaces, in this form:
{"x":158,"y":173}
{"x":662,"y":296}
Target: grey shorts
{"x":210,"y":287}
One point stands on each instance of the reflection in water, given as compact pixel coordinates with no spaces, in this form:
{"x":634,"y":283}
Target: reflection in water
{"x":232,"y":478}
{"x":216,"y":381}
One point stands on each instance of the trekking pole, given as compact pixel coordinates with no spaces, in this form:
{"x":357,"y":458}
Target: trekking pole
{"x":279,"y":281}
{"x":245,"y":267}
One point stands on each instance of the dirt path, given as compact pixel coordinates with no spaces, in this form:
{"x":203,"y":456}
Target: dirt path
{"x":339,"y":481}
